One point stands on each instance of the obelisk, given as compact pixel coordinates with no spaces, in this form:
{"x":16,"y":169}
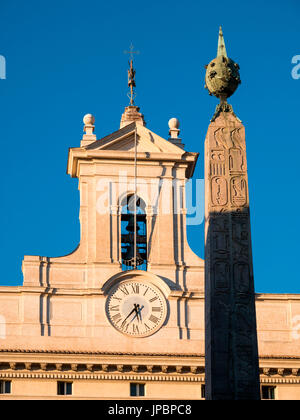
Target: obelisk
{"x":231,"y":354}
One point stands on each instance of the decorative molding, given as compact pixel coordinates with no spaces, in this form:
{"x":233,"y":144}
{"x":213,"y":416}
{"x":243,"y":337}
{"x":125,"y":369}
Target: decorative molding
{"x":286,"y":372}
{"x":279,"y":380}
{"x":90,"y":367}
{"x":96,"y":353}
{"x":93,"y":368}
{"x":103,"y":377}
{"x":128,"y":377}
{"x":280,"y":357}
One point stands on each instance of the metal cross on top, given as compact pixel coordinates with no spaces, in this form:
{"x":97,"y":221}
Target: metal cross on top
{"x":131,"y":75}
{"x":131,"y":52}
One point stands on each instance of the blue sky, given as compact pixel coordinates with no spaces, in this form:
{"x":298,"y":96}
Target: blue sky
{"x":65,"y":59}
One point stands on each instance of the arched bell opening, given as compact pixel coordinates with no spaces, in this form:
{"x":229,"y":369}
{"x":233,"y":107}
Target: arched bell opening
{"x":132,"y":260}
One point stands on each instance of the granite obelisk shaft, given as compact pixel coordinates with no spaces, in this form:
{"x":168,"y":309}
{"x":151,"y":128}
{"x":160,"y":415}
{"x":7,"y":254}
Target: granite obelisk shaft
{"x":231,"y":354}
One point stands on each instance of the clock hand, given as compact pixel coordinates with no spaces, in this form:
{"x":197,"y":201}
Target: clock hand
{"x":138,"y":312}
{"x":133,"y":310}
{"x":136,"y":307}
{"x":138,"y":315}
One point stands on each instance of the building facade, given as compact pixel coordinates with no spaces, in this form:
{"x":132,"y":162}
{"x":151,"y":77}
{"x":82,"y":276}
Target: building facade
{"x":122,"y":317}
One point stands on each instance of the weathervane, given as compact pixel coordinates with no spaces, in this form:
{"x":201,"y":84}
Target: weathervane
{"x":131,"y":95}
{"x":131,"y":75}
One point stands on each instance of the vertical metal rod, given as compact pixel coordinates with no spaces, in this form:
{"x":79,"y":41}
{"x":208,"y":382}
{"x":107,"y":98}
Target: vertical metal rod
{"x":135,"y":194}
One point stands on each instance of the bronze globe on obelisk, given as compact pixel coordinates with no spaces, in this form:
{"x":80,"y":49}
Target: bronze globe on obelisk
{"x":222,"y":76}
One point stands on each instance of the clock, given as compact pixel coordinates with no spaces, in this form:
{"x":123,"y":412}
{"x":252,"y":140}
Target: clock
{"x":136,"y":309}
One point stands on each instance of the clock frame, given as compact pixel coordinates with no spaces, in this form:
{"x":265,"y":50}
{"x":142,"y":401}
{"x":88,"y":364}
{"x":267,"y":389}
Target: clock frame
{"x":136,"y":308}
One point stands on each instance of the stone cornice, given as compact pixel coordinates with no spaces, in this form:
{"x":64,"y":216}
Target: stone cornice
{"x":97,"y":353}
{"x":120,"y":375}
{"x":106,"y":353}
{"x":76,"y":156}
{"x":94,"y":368}
{"x":51,"y":362}
{"x":277,"y":296}
{"x":103,"y":377}
{"x":89,"y":292}
{"x":145,"y":378}
{"x":174,"y":294}
{"x":130,"y":366}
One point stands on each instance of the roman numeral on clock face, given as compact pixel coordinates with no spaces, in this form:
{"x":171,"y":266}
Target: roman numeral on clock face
{"x":153,"y":319}
{"x":135,"y":328}
{"x":124,"y":290}
{"x":116,"y":308}
{"x":135,"y":288}
{"x":116,"y":317}
{"x":153,"y":299}
{"x":156,"y":309}
{"x":124,"y":326}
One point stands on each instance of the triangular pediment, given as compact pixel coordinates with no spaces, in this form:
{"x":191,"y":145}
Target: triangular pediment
{"x":124,"y":140}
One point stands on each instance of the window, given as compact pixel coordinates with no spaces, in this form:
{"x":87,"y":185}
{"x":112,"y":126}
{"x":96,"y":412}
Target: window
{"x":137,"y":390}
{"x":127,"y":234}
{"x":268,"y":392}
{"x":64,"y":388}
{"x":5,"y":387}
{"x":203,"y":391}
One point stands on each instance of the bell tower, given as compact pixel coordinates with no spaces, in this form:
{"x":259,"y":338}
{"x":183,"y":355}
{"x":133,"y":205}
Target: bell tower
{"x":132,"y":208}
{"x":135,"y":162}
{"x":132,"y":284}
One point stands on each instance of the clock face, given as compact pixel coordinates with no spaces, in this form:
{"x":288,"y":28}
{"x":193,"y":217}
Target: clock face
{"x":136,"y":309}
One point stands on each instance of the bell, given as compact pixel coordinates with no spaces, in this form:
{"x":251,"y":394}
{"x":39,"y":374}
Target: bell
{"x":128,"y":257}
{"x":130,"y":226}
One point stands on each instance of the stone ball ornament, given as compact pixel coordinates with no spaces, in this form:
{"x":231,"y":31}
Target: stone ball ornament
{"x":89,"y":119}
{"x":222,"y":77}
{"x":174,"y":123}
